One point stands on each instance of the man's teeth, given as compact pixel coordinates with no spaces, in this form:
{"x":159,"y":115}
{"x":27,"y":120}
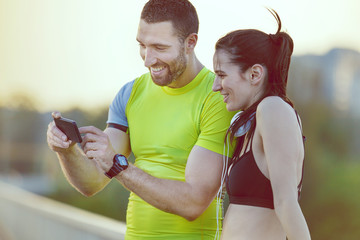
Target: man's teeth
{"x":158,"y":69}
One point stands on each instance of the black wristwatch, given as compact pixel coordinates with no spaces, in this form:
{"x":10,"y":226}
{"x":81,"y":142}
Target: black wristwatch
{"x":120,"y":163}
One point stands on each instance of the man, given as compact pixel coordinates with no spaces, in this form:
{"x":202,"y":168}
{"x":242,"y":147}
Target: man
{"x":172,"y":122}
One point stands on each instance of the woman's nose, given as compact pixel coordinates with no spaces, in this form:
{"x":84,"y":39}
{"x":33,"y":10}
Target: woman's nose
{"x":216,"y":85}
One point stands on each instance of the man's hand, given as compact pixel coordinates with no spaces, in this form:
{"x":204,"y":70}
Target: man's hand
{"x":57,"y":140}
{"x":96,"y":145}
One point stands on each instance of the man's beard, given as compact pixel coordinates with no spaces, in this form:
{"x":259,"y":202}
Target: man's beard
{"x":175,"y":68}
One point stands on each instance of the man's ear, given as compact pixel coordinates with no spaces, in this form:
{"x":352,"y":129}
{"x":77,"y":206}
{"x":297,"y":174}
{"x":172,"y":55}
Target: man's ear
{"x":257,"y":74}
{"x":190,"y":42}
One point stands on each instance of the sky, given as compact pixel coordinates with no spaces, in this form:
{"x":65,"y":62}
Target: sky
{"x":59,"y":54}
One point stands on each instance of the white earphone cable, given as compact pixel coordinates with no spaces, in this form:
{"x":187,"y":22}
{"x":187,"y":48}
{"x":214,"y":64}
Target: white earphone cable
{"x":220,"y":194}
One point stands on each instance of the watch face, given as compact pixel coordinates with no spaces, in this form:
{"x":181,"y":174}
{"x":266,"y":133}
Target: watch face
{"x":122,"y":160}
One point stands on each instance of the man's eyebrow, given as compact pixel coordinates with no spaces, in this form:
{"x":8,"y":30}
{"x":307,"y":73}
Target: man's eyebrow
{"x":155,"y":44}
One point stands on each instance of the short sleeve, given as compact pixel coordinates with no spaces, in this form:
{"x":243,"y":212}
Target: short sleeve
{"x":117,"y":107}
{"x":214,"y":123}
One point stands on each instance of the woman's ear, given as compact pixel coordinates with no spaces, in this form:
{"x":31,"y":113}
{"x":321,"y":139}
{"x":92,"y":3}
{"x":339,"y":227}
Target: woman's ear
{"x":190,"y":42}
{"x":257,"y":74}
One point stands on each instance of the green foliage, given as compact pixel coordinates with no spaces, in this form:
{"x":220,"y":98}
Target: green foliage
{"x":330,"y":196}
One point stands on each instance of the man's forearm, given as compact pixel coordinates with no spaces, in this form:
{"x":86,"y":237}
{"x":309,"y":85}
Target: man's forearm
{"x":80,"y":171}
{"x":171,"y":196}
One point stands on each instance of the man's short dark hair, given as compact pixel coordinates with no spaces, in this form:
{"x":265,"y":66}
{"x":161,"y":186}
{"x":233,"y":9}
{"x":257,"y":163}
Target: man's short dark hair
{"x":181,"y":13}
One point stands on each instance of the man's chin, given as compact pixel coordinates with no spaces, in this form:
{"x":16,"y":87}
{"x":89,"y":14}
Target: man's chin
{"x":160,"y":81}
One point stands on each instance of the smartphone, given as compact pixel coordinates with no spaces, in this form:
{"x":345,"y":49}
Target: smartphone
{"x":68,"y":127}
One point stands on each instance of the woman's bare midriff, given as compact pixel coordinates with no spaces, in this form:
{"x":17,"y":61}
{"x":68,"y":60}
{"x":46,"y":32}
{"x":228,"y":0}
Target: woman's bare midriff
{"x":244,"y":222}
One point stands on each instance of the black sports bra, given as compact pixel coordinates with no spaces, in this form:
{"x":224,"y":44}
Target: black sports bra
{"x":247,"y":185}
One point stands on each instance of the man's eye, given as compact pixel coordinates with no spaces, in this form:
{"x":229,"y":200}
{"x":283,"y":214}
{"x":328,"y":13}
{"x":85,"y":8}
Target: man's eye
{"x":160,"y":48}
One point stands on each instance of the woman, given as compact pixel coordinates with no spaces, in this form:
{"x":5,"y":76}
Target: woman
{"x":265,"y":174}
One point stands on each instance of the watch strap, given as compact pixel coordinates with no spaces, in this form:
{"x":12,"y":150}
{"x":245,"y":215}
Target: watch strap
{"x":116,"y":167}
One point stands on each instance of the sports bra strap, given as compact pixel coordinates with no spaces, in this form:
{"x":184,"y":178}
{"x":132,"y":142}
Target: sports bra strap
{"x":302,"y":171}
{"x":249,"y":142}
{"x":298,"y":119}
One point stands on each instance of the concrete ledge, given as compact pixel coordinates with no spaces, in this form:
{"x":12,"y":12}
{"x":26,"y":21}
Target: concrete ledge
{"x":24,"y":215}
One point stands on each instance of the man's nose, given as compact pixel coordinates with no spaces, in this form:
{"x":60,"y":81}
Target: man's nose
{"x":216,"y":85}
{"x":149,"y":58}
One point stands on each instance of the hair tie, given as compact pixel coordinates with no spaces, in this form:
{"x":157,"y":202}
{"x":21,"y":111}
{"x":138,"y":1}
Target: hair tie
{"x":273,"y":37}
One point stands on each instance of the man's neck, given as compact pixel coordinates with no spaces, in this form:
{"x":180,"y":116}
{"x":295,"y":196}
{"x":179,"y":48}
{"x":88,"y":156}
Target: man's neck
{"x":193,"y":68}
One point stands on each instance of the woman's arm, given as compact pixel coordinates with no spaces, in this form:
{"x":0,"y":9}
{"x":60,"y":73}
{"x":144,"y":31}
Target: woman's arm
{"x":282,"y":144}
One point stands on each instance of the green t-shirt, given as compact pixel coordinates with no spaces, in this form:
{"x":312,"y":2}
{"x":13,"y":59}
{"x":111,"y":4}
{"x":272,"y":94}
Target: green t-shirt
{"x":164,"y":125}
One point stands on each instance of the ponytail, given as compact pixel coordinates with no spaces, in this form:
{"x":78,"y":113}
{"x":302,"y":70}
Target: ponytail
{"x":282,"y":49}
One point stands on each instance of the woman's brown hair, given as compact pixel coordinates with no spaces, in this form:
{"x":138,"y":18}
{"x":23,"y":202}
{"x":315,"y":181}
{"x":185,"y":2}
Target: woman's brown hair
{"x":273,"y":51}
